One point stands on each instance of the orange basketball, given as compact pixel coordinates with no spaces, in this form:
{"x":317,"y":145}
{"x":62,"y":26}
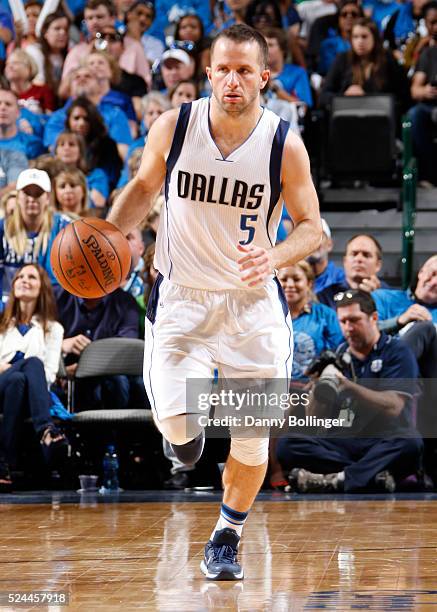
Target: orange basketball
{"x":90,"y":258}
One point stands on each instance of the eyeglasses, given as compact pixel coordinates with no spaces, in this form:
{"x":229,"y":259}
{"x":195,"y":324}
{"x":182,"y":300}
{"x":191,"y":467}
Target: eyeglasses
{"x":345,"y":295}
{"x":109,"y":36}
{"x":349,"y":14}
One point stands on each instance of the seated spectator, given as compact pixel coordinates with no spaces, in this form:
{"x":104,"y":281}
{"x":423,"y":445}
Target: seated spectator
{"x":424,"y":115}
{"x":176,"y":65}
{"x":184,"y":91}
{"x":288,"y":81}
{"x":84,"y":84}
{"x":315,"y":326}
{"x":366,"y":69}
{"x":107,"y":72}
{"x":190,"y":32}
{"x":11,"y":137}
{"x":11,"y":164}
{"x":84,"y":119}
{"x":402,"y":26}
{"x":316,"y":16}
{"x":113,"y":316}
{"x":32,"y":8}
{"x":8,"y":202}
{"x":70,"y":194}
{"x":424,"y":37}
{"x":362,"y":262}
{"x":378,"y":446}
{"x":51,"y":49}
{"x":20,"y":70}
{"x":135,"y":284}
{"x":326,"y":272}
{"x":138,"y":18}
{"x":338,"y":40}
{"x":130,"y":84}
{"x":49,"y":164}
{"x":26,"y":236}
{"x":30,"y":350}
{"x":70,"y":149}
{"x":6,"y":33}
{"x":97,"y":15}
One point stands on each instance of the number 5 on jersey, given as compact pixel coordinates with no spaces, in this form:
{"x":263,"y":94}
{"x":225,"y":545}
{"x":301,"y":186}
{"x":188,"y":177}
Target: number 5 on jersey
{"x":247,"y":224}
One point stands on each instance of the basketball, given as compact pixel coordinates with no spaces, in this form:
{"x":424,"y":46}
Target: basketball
{"x":90,"y":258}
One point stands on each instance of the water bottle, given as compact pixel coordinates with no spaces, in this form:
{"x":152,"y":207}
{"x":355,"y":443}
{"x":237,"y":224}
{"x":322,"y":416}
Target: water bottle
{"x":110,"y":469}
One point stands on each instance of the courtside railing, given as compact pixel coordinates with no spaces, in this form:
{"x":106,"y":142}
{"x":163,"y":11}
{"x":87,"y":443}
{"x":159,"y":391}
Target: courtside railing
{"x":409,"y":186}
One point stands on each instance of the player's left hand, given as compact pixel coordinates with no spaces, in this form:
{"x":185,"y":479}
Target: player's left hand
{"x":256,"y":265}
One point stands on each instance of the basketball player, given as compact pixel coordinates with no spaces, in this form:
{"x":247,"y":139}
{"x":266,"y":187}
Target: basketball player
{"x":227,"y":164}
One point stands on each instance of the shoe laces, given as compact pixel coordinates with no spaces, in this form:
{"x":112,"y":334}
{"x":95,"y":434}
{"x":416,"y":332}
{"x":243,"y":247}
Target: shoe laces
{"x":225,"y":553}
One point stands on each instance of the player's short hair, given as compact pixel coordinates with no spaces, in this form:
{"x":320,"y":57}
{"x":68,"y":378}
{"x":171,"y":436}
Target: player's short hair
{"x":355,"y":296}
{"x":241,"y":33}
{"x":372,"y":238}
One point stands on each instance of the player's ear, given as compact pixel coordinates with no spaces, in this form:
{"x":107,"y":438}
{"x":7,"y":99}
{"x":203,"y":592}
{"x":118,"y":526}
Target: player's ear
{"x":208,"y":73}
{"x":265,"y":75}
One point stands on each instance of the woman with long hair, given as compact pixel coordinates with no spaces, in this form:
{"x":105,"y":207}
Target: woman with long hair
{"x":51,"y":50}
{"x":84,"y":119}
{"x":70,"y":149}
{"x":367,"y":68}
{"x":71,"y":194}
{"x":30,"y":350}
{"x":27,"y":234}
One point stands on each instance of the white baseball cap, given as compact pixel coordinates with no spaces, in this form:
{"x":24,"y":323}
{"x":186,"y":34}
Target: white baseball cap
{"x":178,"y":54}
{"x":325,"y":228}
{"x":32,"y":176}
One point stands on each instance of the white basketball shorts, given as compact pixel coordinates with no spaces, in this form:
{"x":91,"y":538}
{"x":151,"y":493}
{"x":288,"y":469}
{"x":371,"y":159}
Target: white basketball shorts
{"x":190,"y":332}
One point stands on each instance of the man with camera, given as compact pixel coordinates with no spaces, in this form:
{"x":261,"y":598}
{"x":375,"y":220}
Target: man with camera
{"x":369,"y":382}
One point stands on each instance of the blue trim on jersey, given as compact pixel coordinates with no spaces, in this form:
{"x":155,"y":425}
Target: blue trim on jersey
{"x":275,"y":169}
{"x":150,"y":377}
{"x":173,"y":156}
{"x":152,"y":303}
{"x":286,"y":312}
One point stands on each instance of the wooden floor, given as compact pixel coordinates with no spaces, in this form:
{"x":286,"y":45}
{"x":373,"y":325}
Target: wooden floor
{"x":297,"y":555}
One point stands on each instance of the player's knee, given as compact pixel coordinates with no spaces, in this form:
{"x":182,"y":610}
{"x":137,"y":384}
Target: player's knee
{"x":250,"y":451}
{"x":180,"y":429}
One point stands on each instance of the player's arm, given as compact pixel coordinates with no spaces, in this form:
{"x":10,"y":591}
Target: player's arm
{"x":137,"y":198}
{"x":302,"y":204}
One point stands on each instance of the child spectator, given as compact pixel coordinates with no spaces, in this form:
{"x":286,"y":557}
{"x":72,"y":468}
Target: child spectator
{"x":70,"y":193}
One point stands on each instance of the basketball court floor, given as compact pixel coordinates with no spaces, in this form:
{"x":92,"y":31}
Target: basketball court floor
{"x":141,"y":551}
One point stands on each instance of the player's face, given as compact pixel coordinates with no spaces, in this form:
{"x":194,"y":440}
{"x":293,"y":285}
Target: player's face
{"x":295,"y":285}
{"x":236,"y":75}
{"x":27,"y":284}
{"x":358,"y":327}
{"x":426,"y":289}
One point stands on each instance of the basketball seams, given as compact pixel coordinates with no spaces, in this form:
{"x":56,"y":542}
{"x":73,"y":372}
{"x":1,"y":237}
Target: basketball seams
{"x":85,"y":257}
{"x":60,"y":261}
{"x":112,"y":246}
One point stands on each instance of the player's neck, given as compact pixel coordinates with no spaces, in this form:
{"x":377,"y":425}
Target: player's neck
{"x":233,"y":129}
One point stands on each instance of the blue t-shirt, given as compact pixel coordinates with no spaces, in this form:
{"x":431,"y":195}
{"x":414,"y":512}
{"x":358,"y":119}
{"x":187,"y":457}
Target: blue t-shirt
{"x":329,"y":49}
{"x":314,"y":331}
{"x":28,"y":144}
{"x":98,"y":180}
{"x":5,"y":22}
{"x":404,"y":23}
{"x":114,"y":118}
{"x":294,"y":80}
{"x":122,"y":100}
{"x":37,"y":122}
{"x":380,"y":12}
{"x":163,"y":8}
{"x":124,"y":176}
{"x":332,"y":274}
{"x":391,"y":303}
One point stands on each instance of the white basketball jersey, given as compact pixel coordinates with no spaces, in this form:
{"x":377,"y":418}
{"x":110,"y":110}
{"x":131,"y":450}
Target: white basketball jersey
{"x":213,"y":203}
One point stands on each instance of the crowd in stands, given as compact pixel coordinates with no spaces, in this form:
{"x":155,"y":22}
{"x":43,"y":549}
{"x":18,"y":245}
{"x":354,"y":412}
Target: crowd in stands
{"x":78,"y":94}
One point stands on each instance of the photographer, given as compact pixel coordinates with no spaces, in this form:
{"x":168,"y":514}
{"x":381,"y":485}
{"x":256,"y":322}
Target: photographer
{"x":371,"y":385}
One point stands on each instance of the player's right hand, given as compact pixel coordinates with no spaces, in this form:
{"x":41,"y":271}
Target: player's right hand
{"x":416,"y":312}
{"x":75,"y":344}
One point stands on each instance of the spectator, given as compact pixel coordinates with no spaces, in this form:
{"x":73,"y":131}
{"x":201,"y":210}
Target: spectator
{"x":30,"y":350}
{"x":288,"y":81}
{"x":184,"y":91}
{"x":70,"y":149}
{"x":422,"y":40}
{"x":176,"y":66}
{"x":6,"y":34}
{"x":138,"y":19}
{"x":84,"y":119}
{"x":11,"y":164}
{"x":229,"y":13}
{"x":424,"y":115}
{"x":20,"y":70}
{"x":190,"y":31}
{"x":338,"y":40}
{"x":135,"y":284}
{"x":71,"y":197}
{"x":113,"y":316}
{"x":366,"y":69}
{"x":382,"y":445}
{"x":362,"y":263}
{"x":326,"y":272}
{"x":317,"y":16}
{"x":26,"y":236}
{"x":133,"y":85}
{"x":84,"y":84}
{"x":100,"y":14}
{"x":107,"y":73}
{"x":50,"y":52}
{"x":32,"y":8}
{"x":8,"y":202}
{"x":315,"y":326}
{"x":10,"y":136}
{"x":403,"y":25}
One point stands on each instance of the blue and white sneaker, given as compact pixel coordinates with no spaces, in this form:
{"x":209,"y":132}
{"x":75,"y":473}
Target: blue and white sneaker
{"x":220,"y":561}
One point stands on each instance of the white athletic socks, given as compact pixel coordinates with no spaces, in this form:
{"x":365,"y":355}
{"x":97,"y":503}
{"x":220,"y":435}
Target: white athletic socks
{"x":231,"y":519}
